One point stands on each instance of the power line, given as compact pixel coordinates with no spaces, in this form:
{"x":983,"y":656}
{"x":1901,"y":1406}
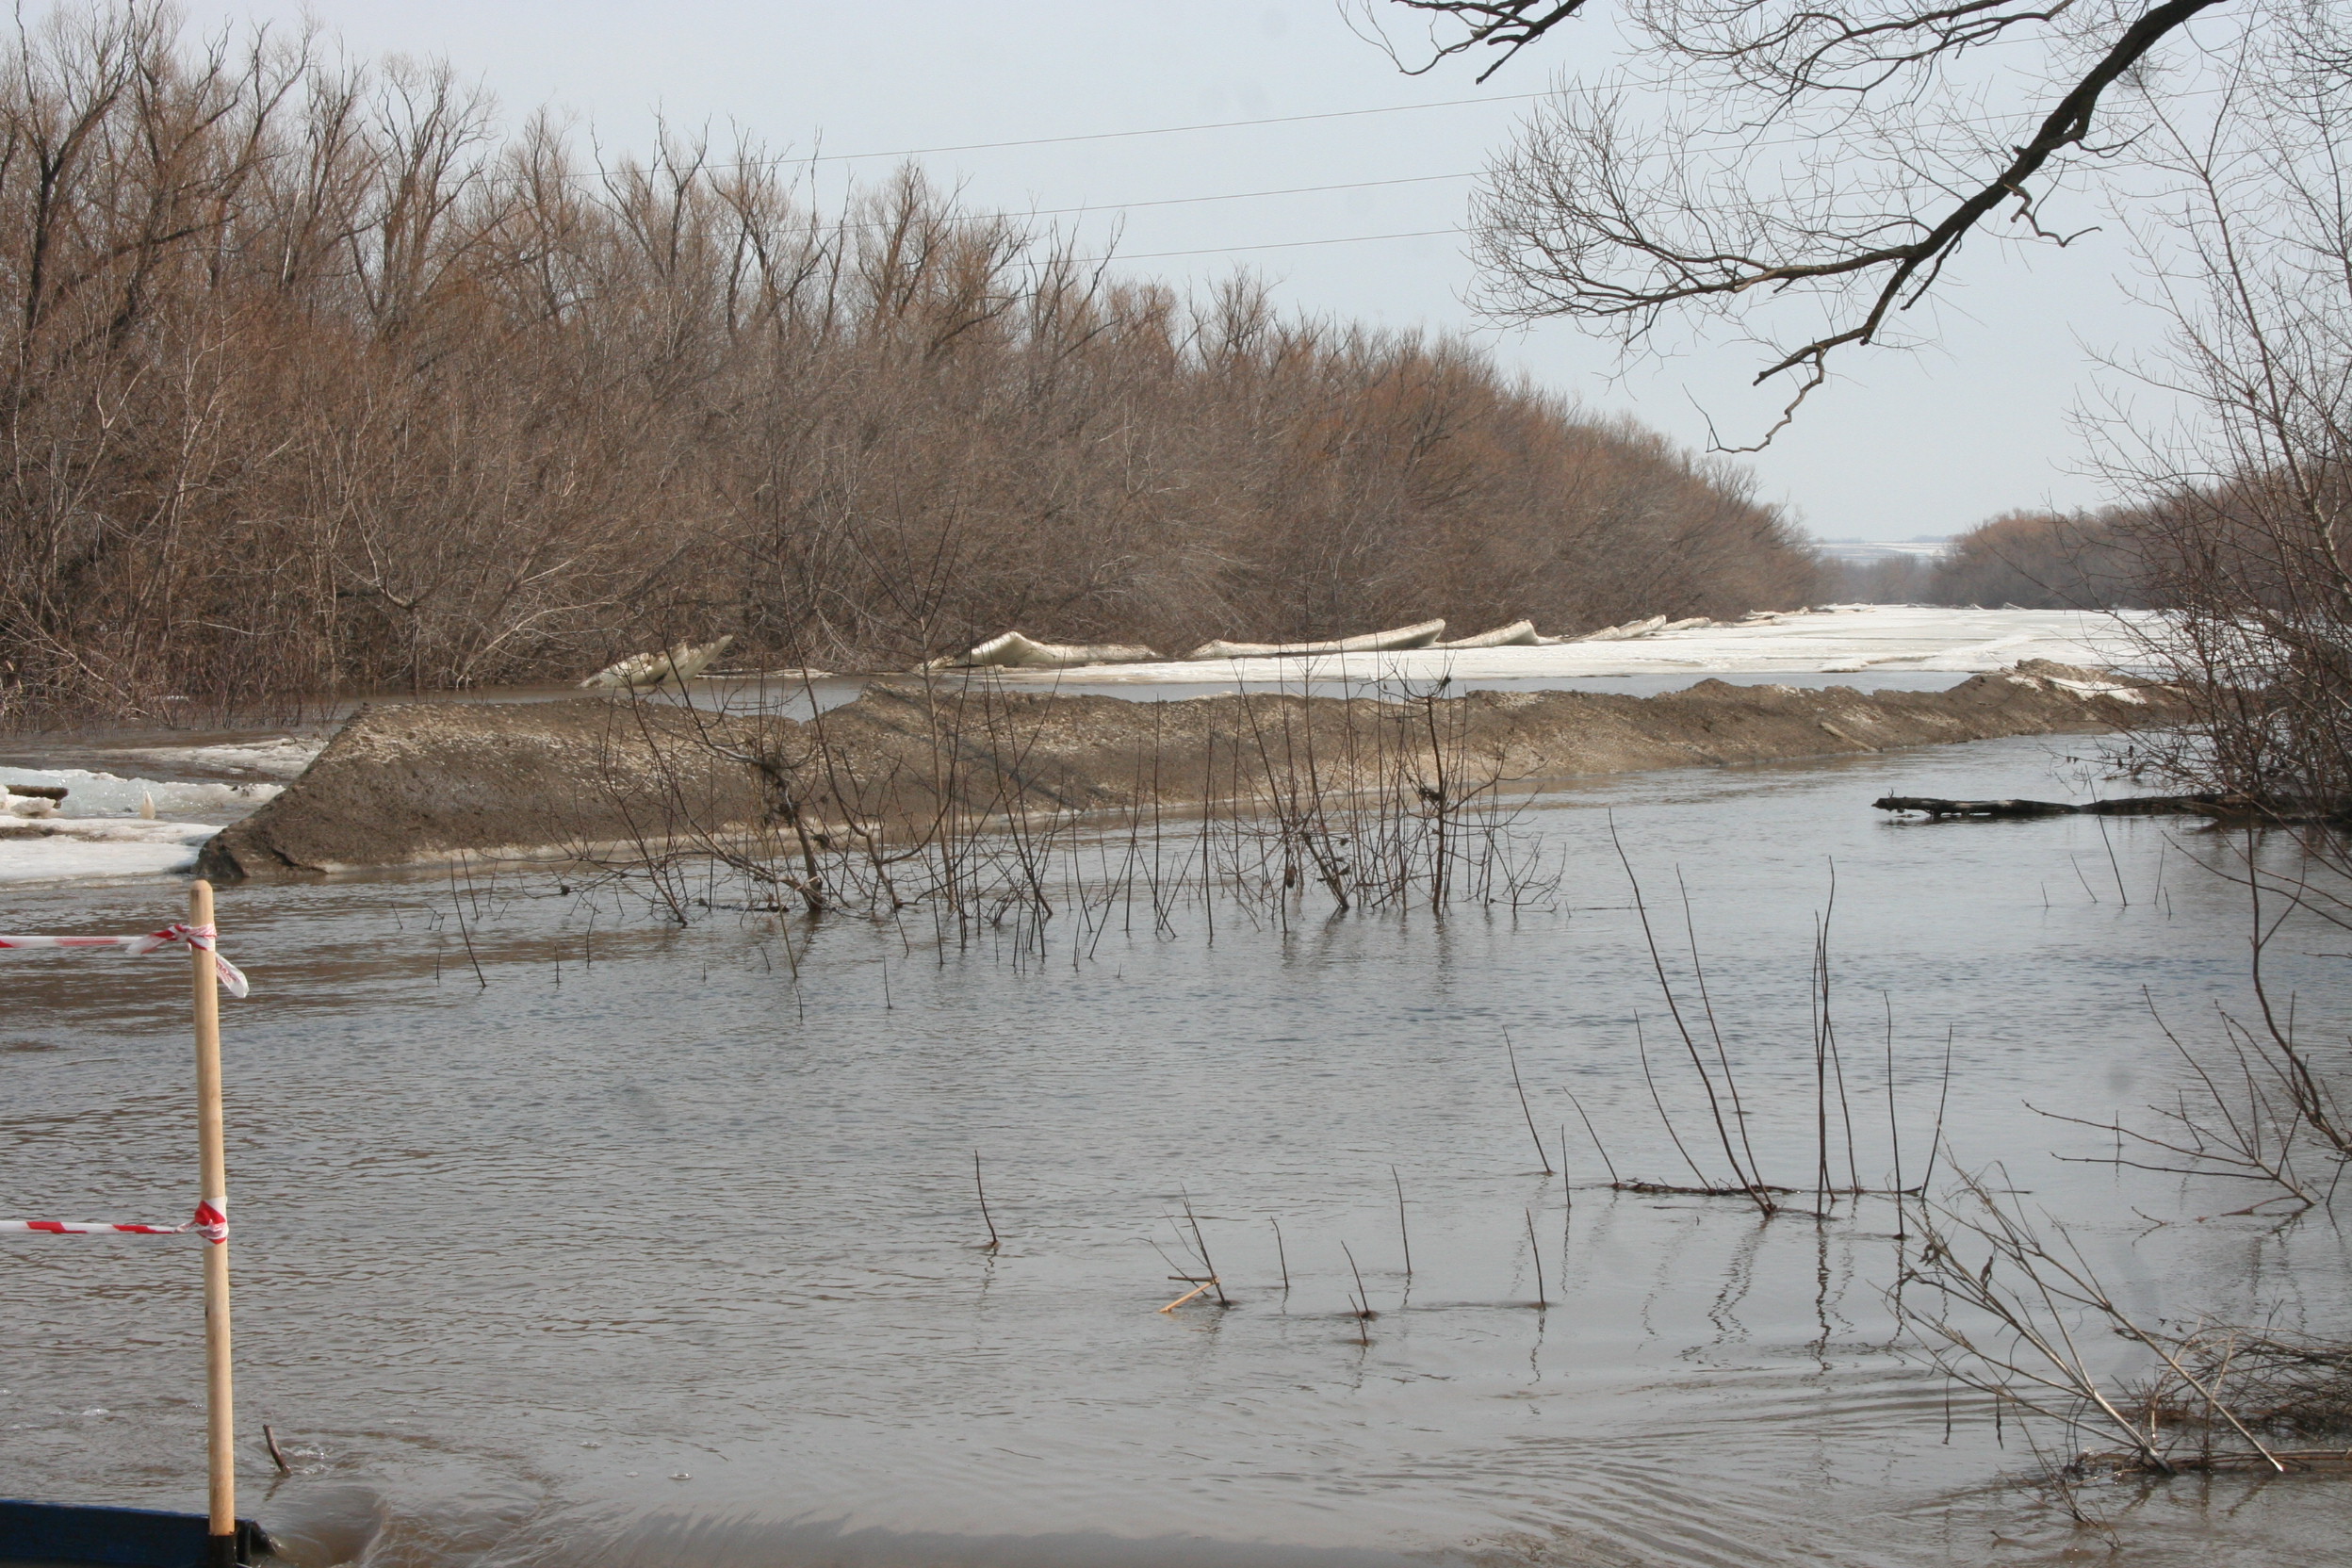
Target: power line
{"x":1158,"y":130}
{"x":1278,"y":245}
{"x":1311,"y":190}
{"x":782,"y":159}
{"x":1735,"y":142}
{"x":1188,"y":201}
{"x":1352,"y":185}
{"x":1276,"y":119}
{"x":1246,"y":195}
{"x":1742,"y":146}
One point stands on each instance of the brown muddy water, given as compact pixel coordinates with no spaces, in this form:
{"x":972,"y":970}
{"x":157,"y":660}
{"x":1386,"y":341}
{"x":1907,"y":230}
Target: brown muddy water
{"x":659,"y":1247}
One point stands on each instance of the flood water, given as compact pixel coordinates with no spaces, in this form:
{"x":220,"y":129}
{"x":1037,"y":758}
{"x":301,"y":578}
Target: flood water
{"x":655,"y":1247}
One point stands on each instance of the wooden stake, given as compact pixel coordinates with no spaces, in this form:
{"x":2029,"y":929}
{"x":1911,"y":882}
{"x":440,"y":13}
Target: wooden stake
{"x":213,"y":1187}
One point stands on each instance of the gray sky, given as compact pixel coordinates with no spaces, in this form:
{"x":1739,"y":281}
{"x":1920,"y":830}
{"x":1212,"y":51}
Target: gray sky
{"x":1927,"y":443}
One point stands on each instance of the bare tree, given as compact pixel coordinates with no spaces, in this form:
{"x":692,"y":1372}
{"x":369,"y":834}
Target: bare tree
{"x":1804,"y":175}
{"x":2239,"y":509}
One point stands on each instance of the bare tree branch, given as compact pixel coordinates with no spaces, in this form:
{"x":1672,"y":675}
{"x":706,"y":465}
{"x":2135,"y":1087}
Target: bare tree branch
{"x":1594,"y":218}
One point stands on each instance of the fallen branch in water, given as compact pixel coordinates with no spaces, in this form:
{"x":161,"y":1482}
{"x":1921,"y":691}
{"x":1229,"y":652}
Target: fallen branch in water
{"x":1201,"y":1289}
{"x":2216,"y":807}
{"x":2131,"y":806}
{"x":2291,"y":1459}
{"x":2018,"y":1310}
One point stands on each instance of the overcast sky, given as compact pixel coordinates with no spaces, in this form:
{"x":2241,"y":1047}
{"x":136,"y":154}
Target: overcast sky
{"x":1905,"y":445}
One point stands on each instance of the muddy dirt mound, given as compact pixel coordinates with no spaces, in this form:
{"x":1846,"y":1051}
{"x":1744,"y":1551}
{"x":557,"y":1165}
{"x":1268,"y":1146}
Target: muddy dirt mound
{"x":425,"y":782}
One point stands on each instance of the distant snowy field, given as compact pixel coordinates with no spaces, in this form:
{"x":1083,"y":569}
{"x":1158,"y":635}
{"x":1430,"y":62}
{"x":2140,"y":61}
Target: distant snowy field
{"x":1848,"y":639}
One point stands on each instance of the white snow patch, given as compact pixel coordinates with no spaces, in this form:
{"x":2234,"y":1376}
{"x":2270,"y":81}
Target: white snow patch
{"x":60,"y":849}
{"x":2099,"y":689}
{"x":1841,"y":639}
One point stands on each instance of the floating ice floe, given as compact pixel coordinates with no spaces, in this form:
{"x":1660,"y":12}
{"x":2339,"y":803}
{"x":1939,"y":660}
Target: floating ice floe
{"x":1419,"y":635}
{"x":102,"y":826}
{"x":85,"y":849}
{"x":104,"y":794}
{"x":1013,"y":651}
{"x":80,"y":826}
{"x":283,"y":757}
{"x":642,"y":672}
{"x":1626,"y":632}
{"x":1518,"y":634}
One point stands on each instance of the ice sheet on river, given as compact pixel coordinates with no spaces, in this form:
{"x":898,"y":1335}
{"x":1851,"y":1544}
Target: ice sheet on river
{"x":97,"y":833}
{"x":1841,"y":640}
{"x":90,"y":794}
{"x":273,"y":757}
{"x":93,"y":849}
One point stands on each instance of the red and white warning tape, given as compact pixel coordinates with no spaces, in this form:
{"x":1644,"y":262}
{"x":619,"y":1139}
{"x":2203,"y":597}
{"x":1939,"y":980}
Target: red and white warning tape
{"x":211,"y":1222}
{"x":199,"y":937}
{"x":212,"y":1214}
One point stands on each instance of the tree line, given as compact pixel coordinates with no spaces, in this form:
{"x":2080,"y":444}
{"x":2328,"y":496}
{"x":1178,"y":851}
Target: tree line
{"x":314,"y":379}
{"x":2026,"y":559}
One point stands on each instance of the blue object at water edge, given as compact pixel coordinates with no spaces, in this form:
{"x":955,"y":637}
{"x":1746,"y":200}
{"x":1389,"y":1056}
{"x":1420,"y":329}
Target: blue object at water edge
{"x":125,"y":1537}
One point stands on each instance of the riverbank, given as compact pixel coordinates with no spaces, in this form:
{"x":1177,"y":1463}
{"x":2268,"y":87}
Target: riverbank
{"x":420,"y":783}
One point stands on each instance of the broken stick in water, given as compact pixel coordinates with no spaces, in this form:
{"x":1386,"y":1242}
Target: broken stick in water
{"x":1202,"y":1288}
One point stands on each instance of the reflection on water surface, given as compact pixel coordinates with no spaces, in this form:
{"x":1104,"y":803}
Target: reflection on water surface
{"x":660,"y":1247}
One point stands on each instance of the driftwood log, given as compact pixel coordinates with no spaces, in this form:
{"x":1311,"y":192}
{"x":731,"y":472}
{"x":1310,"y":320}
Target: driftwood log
{"x":2128,"y":805}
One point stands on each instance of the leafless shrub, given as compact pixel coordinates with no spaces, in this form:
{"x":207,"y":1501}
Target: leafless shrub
{"x":2282,"y":1388}
{"x":1692,"y":1011}
{"x":2009,"y":1306}
{"x":2006,"y":1315}
{"x":1370,"y":803}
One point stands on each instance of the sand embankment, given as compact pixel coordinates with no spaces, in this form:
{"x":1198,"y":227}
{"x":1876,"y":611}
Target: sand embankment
{"x":425,"y":782}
